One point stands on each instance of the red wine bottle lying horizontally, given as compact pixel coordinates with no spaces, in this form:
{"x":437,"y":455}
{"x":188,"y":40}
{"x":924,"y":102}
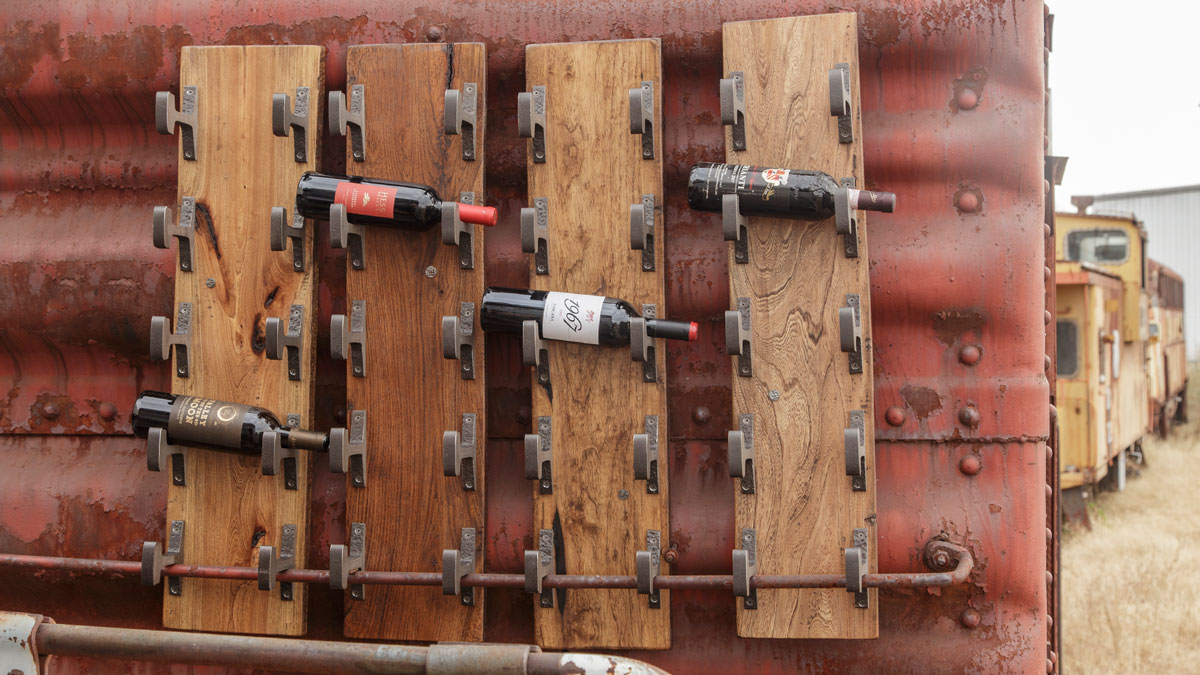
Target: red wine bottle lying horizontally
{"x":382,"y":203}
{"x":571,"y":317}
{"x":781,"y":193}
{"x":217,"y":425}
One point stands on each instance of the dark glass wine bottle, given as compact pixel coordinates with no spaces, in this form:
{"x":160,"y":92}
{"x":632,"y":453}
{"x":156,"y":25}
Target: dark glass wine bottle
{"x":378,"y":202}
{"x":781,"y":193}
{"x":217,"y":425}
{"x":571,"y":317}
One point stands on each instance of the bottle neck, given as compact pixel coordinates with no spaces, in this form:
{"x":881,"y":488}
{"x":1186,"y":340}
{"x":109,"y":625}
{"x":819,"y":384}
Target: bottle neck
{"x":672,"y":330}
{"x":303,"y":439}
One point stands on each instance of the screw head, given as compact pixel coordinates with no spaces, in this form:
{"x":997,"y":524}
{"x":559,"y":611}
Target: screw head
{"x":431,"y":271}
{"x":210,"y":282}
{"x":622,"y":494}
{"x":894,"y":416}
{"x":773,"y":395}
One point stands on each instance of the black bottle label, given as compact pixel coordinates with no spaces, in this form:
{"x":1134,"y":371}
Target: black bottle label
{"x":204,"y":420}
{"x":572,"y":317}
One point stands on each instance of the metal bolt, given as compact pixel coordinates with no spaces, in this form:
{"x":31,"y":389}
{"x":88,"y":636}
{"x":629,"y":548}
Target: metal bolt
{"x":941,"y":559}
{"x":210,"y":282}
{"x":969,"y":416}
{"x":434,"y":33}
{"x":967,"y":99}
{"x":969,"y":618}
{"x":773,"y":395}
{"x":701,"y":415}
{"x":968,"y":201}
{"x":431,"y":271}
{"x":50,"y":410}
{"x":970,"y":465}
{"x":107,"y":411}
{"x":894,"y":416}
{"x":670,"y":555}
{"x":622,"y":494}
{"x":970,"y":355}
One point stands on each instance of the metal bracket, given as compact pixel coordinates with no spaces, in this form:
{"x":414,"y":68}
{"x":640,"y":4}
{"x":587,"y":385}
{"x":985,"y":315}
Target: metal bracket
{"x":166,"y":118}
{"x":290,"y":340}
{"x":157,"y":451}
{"x":285,"y":120}
{"x":458,"y":564}
{"x":745,"y":566}
{"x":281,"y":231}
{"x":538,"y":565}
{"x":460,"y":113}
{"x":535,"y":233}
{"x":850,"y":330}
{"x":856,"y":568}
{"x":185,"y":232}
{"x":348,"y":450}
{"x":275,"y":456}
{"x":458,"y":338}
{"x":733,"y":226}
{"x":343,"y":560}
{"x":840,"y":103}
{"x":534,"y":351}
{"x":354,"y":118}
{"x":741,"y":452}
{"x":345,"y":234}
{"x":641,"y":116}
{"x":645,"y":455}
{"x":737,"y":336}
{"x":641,"y":345}
{"x":458,"y":452}
{"x":350,"y":340}
{"x":457,"y":233}
{"x":162,"y":339}
{"x":641,"y":230}
{"x":270,"y":565}
{"x":531,"y":120}
{"x":649,"y":566}
{"x":855,"y":441}
{"x":154,"y":559}
{"x":539,"y":458}
{"x":733,"y":107}
{"x":846,"y":217}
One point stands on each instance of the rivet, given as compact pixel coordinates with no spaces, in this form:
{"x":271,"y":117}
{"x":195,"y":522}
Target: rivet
{"x":1051,"y":654}
{"x":1045,"y":142}
{"x":1049,"y":577}
{"x":970,"y":465}
{"x":1049,"y":491}
{"x":701,"y":415}
{"x":1049,"y":453}
{"x":1053,"y":414}
{"x":670,"y":555}
{"x":107,"y":411}
{"x":1049,"y":621}
{"x":431,"y":271}
{"x":969,"y":355}
{"x":1046,"y":273}
{"x":967,"y":202}
{"x":339,"y":414}
{"x":434,"y":33}
{"x":1049,"y":534}
{"x":210,"y":282}
{"x":894,"y":416}
{"x":969,"y":618}
{"x":1049,"y":666}
{"x":967,"y":99}
{"x":1047,"y":364}
{"x":524,"y":415}
{"x":1045,"y":186}
{"x":1048,"y":231}
{"x":50,"y":410}
{"x":1048,"y":317}
{"x":969,"y":416}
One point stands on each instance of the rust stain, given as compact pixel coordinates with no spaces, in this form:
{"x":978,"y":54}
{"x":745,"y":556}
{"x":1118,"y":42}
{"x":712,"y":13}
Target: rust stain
{"x":113,"y":60}
{"x":22,"y":46}
{"x":950,"y":324}
{"x":922,"y":400}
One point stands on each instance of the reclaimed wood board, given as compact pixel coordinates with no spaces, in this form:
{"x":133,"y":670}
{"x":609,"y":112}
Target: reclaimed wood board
{"x":410,"y":392}
{"x":241,"y":171}
{"x":803,"y":510}
{"x":594,"y":171}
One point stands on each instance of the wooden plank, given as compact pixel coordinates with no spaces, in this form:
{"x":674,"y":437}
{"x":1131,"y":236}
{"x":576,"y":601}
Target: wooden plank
{"x":242,"y":170}
{"x":411,"y":393}
{"x":803,"y":510}
{"x":593,"y":172}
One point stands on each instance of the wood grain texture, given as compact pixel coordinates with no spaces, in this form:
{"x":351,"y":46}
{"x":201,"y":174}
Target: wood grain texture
{"x":804,"y":510}
{"x":412,"y":394}
{"x":241,"y":171}
{"x":594,"y":171}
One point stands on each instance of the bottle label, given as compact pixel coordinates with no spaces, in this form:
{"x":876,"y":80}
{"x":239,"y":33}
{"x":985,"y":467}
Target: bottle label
{"x":366,"y":199}
{"x":572,"y":318}
{"x":203,"y":420}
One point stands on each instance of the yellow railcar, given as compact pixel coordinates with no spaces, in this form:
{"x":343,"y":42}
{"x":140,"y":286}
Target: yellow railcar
{"x":1167,"y":372}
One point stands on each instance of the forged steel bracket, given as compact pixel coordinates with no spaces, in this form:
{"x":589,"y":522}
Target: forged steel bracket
{"x":164,"y":226}
{"x":353,"y":118}
{"x":641,"y":116}
{"x":350,"y":340}
{"x":733,"y":107}
{"x":270,"y":564}
{"x":733,"y":226}
{"x":162,"y":340}
{"x":458,"y":452}
{"x":345,"y":234}
{"x":645,"y":455}
{"x":458,"y":339}
{"x":285,"y":120}
{"x":280,"y":341}
{"x":457,"y":233}
{"x":840,"y":105}
{"x":741,"y":452}
{"x":856,"y":568}
{"x":641,"y":230}
{"x":348,"y":451}
{"x":275,"y":456}
{"x":855,"y":441}
{"x":535,"y":234}
{"x":649,"y":566}
{"x":459,"y":117}
{"x":850,"y":331}
{"x":166,"y":118}
{"x":346,"y":559}
{"x":154,"y":559}
{"x":281,"y":232}
{"x":531,"y":120}
{"x":745,"y":566}
{"x":157,"y":451}
{"x":846,"y":217}
{"x":458,"y":564}
{"x":737,"y":336}
{"x":538,"y":565}
{"x":538,"y":457}
{"x":534,"y":352}
{"x":641,"y":345}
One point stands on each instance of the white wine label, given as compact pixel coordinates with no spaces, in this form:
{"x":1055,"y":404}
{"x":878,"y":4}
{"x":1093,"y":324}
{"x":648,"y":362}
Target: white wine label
{"x":775,"y":177}
{"x":572,"y":318}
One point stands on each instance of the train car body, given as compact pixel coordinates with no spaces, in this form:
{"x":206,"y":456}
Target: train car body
{"x":1167,"y":348}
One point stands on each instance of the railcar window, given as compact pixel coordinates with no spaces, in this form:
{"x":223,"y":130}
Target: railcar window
{"x":1068,"y":348}
{"x":1098,"y":246}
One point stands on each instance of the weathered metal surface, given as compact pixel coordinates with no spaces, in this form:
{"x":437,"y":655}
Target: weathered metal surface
{"x":952,"y":118}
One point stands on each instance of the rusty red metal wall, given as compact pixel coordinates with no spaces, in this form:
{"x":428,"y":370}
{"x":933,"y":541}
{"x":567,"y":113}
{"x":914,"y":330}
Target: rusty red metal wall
{"x":952,"y":94}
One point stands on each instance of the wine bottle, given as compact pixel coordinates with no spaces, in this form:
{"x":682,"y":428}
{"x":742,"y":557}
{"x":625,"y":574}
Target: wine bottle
{"x":571,"y":317}
{"x":217,"y":425}
{"x":782,"y":193}
{"x":385,"y":203}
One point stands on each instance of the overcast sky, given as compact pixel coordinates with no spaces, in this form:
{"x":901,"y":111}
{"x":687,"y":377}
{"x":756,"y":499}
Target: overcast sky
{"x":1125,"y":94}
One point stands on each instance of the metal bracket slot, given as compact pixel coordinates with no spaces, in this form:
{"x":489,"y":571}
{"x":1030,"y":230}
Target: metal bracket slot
{"x":846,"y":218}
{"x":270,"y":565}
{"x":641,"y":116}
{"x":733,"y":226}
{"x":645,"y":455}
{"x":649,"y":566}
{"x":457,"y":233}
{"x":531,"y":120}
{"x":460,"y":117}
{"x":289,"y":340}
{"x":856,"y":568}
{"x":343,"y":560}
{"x":641,"y":230}
{"x":458,"y":452}
{"x":458,"y":564}
{"x":535,"y":234}
{"x":275,"y":456}
{"x":538,"y":565}
{"x":855,"y":441}
{"x":162,"y":340}
{"x":164,"y":226}
{"x":350,"y":340}
{"x":281,"y":232}
{"x":354,"y":118}
{"x":157,"y":452}
{"x":733,"y":107}
{"x":534,"y":352}
{"x":284,"y":120}
{"x":458,"y":339}
{"x":345,"y":234}
{"x":154,"y":559}
{"x":348,"y":450}
{"x":166,"y":118}
{"x":737,"y":336}
{"x":745,"y":566}
{"x":641,"y":345}
{"x":850,"y":330}
{"x":741,"y":452}
{"x":840,"y":104}
{"x":539,"y":458}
